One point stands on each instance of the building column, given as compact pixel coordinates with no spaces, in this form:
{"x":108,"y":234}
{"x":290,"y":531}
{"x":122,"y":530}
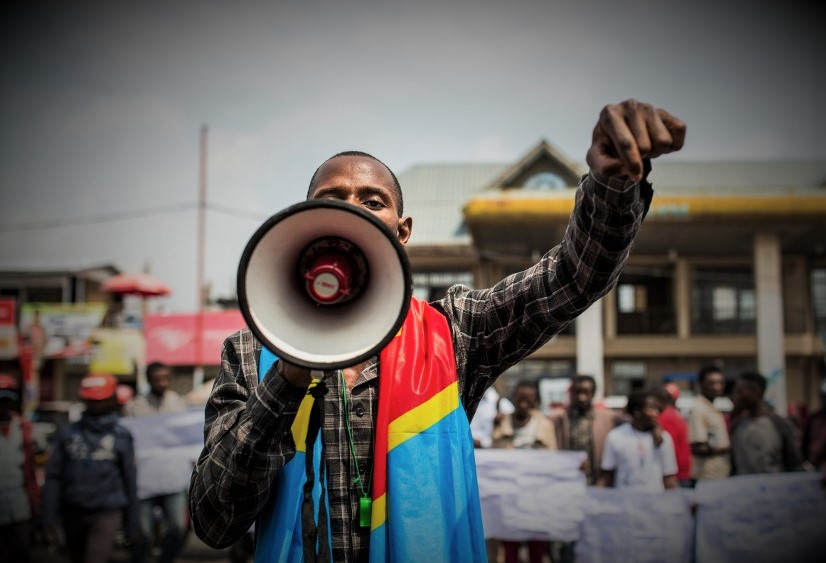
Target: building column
{"x":771,"y":353}
{"x":590,"y":355}
{"x":682,"y":290}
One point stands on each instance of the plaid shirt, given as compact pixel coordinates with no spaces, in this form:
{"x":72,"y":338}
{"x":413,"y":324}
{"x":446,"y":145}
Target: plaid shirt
{"x":247,"y":429}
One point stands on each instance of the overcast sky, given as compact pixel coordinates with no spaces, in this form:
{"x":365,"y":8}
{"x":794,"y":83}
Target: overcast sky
{"x":102,"y":106}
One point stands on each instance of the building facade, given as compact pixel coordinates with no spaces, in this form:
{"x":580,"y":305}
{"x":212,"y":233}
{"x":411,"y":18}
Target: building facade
{"x":729,"y":267}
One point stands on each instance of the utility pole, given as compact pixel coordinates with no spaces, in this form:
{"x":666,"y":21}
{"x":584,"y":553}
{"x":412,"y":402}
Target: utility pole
{"x":198,"y":372}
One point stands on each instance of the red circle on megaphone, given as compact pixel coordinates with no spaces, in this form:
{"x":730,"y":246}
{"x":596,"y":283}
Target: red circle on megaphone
{"x":334,"y":270}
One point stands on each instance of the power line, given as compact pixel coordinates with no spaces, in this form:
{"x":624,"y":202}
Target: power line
{"x":243,"y":213}
{"x":99,"y":218}
{"x":128,"y":216}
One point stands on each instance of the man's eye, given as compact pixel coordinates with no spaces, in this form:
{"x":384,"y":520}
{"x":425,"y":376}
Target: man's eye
{"x":373,"y":204}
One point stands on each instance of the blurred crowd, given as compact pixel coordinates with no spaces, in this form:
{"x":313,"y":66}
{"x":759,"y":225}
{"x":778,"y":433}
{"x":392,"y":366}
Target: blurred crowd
{"x":650,"y":444}
{"x":87,"y":504}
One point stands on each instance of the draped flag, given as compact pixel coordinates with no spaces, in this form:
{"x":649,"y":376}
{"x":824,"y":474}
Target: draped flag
{"x":426,"y":498}
{"x":425,"y":494}
{"x":279,"y":534}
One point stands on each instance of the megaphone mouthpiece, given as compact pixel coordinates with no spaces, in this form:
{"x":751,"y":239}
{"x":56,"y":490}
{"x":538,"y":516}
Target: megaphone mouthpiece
{"x":334,"y":270}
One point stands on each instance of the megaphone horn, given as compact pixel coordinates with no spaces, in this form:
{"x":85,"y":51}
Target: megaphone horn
{"x":324,"y":284}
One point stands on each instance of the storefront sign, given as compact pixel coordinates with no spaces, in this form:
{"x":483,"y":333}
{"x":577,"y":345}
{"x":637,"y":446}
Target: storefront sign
{"x":173,"y":339}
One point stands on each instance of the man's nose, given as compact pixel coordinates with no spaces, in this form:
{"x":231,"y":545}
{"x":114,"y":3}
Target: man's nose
{"x":352,"y":199}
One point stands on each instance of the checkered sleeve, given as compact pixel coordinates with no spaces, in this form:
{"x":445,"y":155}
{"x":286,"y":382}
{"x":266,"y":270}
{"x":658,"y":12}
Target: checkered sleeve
{"x":246,"y":438}
{"x":495,"y":328}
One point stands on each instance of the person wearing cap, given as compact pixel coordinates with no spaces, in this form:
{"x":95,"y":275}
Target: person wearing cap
{"x":19,"y":491}
{"x":90,"y":477}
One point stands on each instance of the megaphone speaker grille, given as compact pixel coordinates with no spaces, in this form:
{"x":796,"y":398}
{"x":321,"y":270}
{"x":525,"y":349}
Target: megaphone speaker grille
{"x":324,"y":284}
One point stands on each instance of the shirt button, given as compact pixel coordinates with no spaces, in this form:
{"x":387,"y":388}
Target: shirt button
{"x":359,"y":411}
{"x":362,"y":468}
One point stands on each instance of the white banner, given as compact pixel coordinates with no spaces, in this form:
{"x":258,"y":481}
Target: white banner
{"x":166,"y":448}
{"x":762,"y":519}
{"x":627,"y":526}
{"x":531,"y":494}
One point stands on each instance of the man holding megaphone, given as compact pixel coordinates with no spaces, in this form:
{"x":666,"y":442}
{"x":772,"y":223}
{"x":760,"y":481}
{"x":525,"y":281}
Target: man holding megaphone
{"x":344,"y":442}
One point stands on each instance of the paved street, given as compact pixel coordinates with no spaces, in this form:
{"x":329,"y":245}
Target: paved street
{"x":194,"y":551}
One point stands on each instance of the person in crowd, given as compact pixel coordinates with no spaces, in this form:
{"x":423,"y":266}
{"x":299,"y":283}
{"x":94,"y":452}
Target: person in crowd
{"x":582,"y":427}
{"x":19,"y":490}
{"x":90,"y":478}
{"x":707,"y":428}
{"x":761,"y":440}
{"x":525,"y":428}
{"x":492,"y":407}
{"x":814,"y":435}
{"x":472,"y":336}
{"x":160,"y":398}
{"x":170,"y":508}
{"x":639,"y":454}
{"x":123,"y":394}
{"x":673,"y":422}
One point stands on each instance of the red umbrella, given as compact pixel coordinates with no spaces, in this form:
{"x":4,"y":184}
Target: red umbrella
{"x":144,"y":285}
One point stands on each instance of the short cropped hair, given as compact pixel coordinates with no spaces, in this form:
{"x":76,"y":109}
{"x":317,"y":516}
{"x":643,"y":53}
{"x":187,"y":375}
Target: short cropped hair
{"x":153,"y":367}
{"x":582,"y":378}
{"x":706,"y":370}
{"x":755,"y":379}
{"x":636,"y":400}
{"x":396,"y":186}
{"x":526,"y":384}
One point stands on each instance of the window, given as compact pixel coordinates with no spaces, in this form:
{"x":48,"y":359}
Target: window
{"x":631,"y":298}
{"x":432,"y":286}
{"x":723,"y":301}
{"x":628,"y":376}
{"x":545,"y":181}
{"x":645,"y":301}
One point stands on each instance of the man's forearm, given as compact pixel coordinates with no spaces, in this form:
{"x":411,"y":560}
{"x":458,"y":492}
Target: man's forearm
{"x":606,"y":220}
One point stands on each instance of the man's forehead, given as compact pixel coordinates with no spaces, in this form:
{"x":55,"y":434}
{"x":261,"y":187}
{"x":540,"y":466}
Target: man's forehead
{"x":354,"y":169}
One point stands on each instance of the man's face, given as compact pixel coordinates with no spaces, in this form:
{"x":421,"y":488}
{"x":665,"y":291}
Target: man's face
{"x":365,"y":183}
{"x":100,"y":407}
{"x":582,"y":394}
{"x":160,"y":380}
{"x":713,"y":385}
{"x":525,"y":399}
{"x":646,"y":418}
{"x":745,"y":394}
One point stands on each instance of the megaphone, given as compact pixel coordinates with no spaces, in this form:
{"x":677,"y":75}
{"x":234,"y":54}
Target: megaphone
{"x":324,"y":284}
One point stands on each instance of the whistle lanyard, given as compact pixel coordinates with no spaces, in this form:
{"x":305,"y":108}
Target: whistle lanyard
{"x":365,"y":502}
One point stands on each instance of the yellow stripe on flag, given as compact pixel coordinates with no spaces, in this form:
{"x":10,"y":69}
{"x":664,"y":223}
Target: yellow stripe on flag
{"x":424,"y":416}
{"x":379,"y":513}
{"x":302,"y":421}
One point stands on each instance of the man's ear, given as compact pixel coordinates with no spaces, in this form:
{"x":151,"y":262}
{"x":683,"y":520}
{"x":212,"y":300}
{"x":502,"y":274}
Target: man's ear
{"x":405,"y":229}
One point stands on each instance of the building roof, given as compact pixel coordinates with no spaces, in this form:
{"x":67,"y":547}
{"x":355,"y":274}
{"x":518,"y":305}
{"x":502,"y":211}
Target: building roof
{"x":436,"y":194}
{"x":92,"y":273}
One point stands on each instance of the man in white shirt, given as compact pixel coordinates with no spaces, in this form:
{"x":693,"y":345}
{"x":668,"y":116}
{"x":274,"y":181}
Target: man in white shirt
{"x":639,"y":454}
{"x":491,"y":408}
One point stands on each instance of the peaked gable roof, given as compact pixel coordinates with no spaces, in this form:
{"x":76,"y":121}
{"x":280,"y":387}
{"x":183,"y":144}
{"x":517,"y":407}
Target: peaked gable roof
{"x":543,"y":157}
